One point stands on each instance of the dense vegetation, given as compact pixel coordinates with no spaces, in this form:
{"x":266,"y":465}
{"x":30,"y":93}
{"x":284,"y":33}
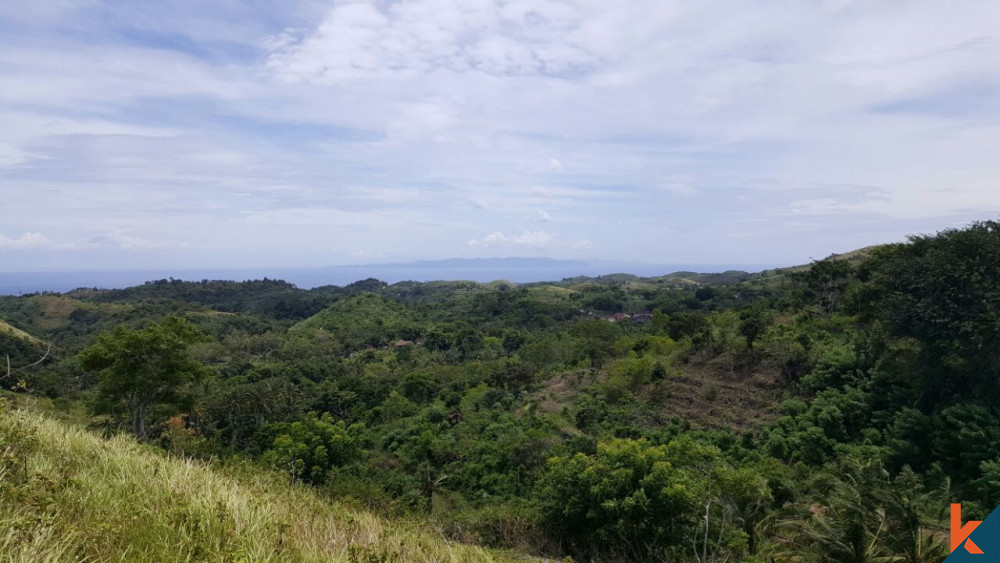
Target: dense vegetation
{"x":821,"y":413}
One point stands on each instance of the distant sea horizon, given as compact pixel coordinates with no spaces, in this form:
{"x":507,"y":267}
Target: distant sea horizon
{"x":517,"y":270}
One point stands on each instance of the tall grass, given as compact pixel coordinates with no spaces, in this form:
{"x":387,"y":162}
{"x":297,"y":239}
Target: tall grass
{"x":84,"y":498}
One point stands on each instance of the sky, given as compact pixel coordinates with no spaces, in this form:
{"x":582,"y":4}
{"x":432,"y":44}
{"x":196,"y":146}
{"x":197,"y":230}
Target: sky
{"x":300,"y":133}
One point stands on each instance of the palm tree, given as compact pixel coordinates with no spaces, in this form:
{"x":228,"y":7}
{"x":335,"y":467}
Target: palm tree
{"x":916,"y":518}
{"x":847,"y":521}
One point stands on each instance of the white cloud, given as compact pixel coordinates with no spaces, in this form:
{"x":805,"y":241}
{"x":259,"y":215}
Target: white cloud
{"x":527,"y":239}
{"x":401,"y":127}
{"x":11,"y":155}
{"x":364,"y":253}
{"x":25,"y":241}
{"x":421,"y":36}
{"x":531,"y":239}
{"x":678,"y":185}
{"x":127,"y":242}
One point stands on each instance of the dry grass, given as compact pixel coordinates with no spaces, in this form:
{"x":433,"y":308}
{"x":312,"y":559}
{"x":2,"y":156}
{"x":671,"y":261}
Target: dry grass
{"x":854,"y":257}
{"x":17,"y":333}
{"x":92,"y":499}
{"x":706,"y":394}
{"x":711,"y":396}
{"x":54,"y":311}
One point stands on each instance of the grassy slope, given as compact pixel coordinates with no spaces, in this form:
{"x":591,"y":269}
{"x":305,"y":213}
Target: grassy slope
{"x":854,"y":257}
{"x":17,"y":333}
{"x":92,"y":499}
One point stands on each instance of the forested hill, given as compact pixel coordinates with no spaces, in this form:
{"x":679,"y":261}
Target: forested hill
{"x":821,"y":413}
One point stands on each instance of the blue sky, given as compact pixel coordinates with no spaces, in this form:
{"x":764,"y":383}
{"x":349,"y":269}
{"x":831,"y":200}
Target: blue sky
{"x":184,"y":134}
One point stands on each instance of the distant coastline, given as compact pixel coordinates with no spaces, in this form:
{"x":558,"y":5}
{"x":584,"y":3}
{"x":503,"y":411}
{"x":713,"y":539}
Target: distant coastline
{"x":518,"y":270}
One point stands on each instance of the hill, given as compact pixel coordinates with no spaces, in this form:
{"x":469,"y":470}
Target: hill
{"x":10,"y":330}
{"x":18,"y":349}
{"x":79,"y":497}
{"x":607,"y":418}
{"x":854,"y":257}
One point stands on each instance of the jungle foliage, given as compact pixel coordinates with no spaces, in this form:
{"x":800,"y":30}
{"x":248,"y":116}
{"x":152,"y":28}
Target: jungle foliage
{"x":824,"y":413}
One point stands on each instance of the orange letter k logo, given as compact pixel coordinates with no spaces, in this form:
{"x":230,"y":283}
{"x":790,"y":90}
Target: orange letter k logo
{"x":960,"y":533}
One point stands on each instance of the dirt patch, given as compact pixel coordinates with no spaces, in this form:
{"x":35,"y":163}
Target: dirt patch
{"x":562,"y":390}
{"x":706,"y":394}
{"x":711,"y":396}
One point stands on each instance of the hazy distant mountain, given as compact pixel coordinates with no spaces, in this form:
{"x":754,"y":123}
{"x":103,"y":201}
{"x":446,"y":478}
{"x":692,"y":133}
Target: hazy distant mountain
{"x":517,"y":270}
{"x":482,"y":263}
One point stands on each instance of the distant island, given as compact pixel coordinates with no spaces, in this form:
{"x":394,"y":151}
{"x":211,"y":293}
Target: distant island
{"x":518,"y":270}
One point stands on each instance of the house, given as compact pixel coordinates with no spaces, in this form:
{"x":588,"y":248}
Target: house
{"x":403,"y":343}
{"x":617,"y":317}
{"x":642,"y":317}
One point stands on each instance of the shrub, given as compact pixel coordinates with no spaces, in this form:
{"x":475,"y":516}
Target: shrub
{"x":17,"y":443}
{"x":308,"y":449}
{"x":633,"y":370}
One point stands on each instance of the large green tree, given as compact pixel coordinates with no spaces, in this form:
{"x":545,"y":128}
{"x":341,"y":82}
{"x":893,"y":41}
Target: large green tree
{"x":754,"y":322}
{"x":944,"y":291}
{"x":827,"y":281}
{"x":141,"y":369}
{"x":636,"y":501}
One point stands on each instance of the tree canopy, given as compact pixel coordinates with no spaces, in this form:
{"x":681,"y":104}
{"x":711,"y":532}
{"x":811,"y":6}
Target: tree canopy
{"x":142,"y":369}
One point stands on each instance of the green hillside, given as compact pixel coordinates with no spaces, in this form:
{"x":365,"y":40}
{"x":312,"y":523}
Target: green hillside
{"x":834,"y":408}
{"x":69,"y":495}
{"x":8,"y":330}
{"x":367,"y":320}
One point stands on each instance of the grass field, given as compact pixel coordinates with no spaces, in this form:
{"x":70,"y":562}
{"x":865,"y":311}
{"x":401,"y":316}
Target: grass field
{"x":67,"y":494}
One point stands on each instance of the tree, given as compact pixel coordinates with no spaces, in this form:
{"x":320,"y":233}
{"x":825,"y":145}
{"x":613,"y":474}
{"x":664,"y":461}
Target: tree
{"x":846,"y":522}
{"x":659,"y":323}
{"x":724,"y":335}
{"x":140,"y":369}
{"x":827,"y":279}
{"x":854,"y":512}
{"x":237,"y":411}
{"x":691,"y":325}
{"x":625,"y":500}
{"x":915,"y":518}
{"x":597,"y":338}
{"x":308,"y":449}
{"x":944,"y":291}
{"x":754,"y":322}
{"x":641,"y":502}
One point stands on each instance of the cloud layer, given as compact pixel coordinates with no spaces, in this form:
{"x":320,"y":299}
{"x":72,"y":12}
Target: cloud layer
{"x":528,"y":239}
{"x":315,"y":133}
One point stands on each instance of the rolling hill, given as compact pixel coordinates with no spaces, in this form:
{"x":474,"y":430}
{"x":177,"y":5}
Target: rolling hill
{"x":75,"y":496}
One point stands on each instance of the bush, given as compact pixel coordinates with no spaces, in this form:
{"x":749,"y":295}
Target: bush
{"x":637,"y":501}
{"x":836,"y":366}
{"x":634,"y":371}
{"x":615,"y":389}
{"x":787,"y":349}
{"x":17,"y":443}
{"x":308,"y":449}
{"x":516,"y":525}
